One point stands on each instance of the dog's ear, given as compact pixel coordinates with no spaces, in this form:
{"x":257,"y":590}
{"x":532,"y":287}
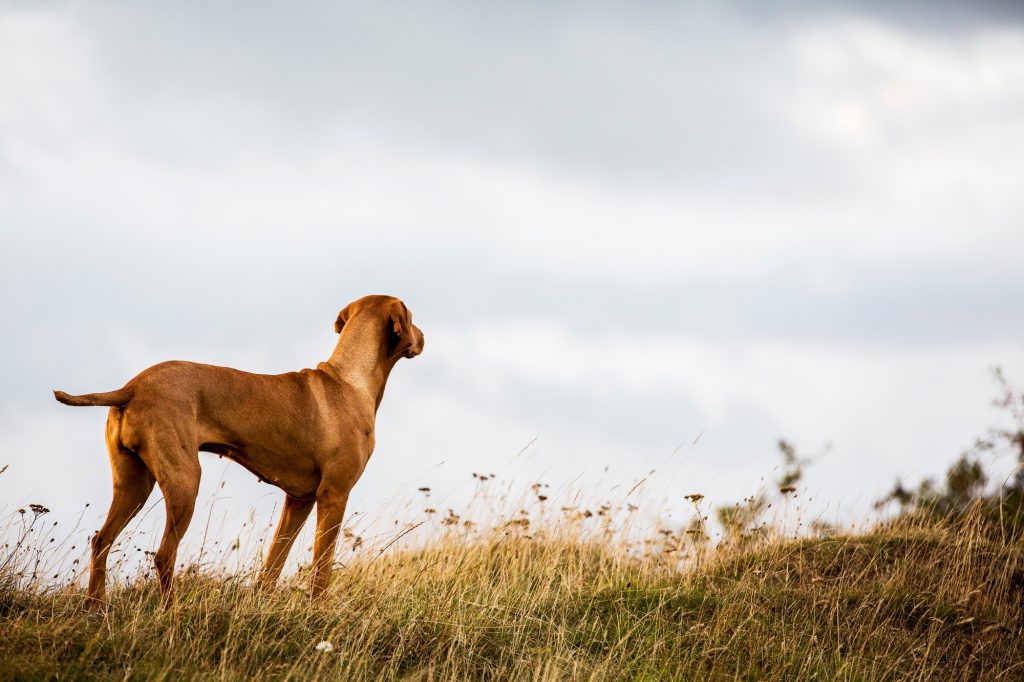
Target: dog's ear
{"x":400,"y":324}
{"x":340,"y":321}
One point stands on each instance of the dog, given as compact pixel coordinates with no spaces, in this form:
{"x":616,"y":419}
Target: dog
{"x":309,"y":432}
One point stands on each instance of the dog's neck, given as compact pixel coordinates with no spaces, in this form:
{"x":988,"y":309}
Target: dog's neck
{"x":361,"y":358}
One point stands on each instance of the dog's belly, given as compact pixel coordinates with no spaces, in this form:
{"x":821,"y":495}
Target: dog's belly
{"x":292,"y":477}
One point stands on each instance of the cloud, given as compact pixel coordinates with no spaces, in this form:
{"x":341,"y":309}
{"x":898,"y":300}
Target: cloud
{"x":619,"y":228}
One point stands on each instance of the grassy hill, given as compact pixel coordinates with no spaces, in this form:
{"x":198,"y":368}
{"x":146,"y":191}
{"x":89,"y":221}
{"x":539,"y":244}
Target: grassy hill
{"x":919,"y":600}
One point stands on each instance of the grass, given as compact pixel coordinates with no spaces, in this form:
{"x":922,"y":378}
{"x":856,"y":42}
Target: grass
{"x":911,"y":600}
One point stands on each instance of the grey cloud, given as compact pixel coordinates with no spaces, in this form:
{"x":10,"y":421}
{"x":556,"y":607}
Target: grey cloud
{"x":665,"y":95}
{"x":682,"y":100}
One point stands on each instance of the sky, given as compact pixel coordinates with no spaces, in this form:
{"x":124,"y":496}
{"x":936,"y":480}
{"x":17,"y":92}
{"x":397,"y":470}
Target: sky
{"x":636,"y":237}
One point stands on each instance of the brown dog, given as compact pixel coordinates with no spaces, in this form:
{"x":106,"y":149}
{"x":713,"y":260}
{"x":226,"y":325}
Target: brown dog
{"x":309,"y":432}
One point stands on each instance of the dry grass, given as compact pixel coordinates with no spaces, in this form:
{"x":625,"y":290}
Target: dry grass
{"x":567,"y":600}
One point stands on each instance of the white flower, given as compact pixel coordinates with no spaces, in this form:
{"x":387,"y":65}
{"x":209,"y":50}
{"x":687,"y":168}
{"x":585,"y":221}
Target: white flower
{"x":325,"y":647}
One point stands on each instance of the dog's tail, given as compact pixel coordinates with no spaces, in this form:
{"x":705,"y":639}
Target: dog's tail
{"x":116,"y":398}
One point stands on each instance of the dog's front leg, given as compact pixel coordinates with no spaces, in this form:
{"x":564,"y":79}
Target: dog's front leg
{"x":293,"y":516}
{"x":330,"y":512}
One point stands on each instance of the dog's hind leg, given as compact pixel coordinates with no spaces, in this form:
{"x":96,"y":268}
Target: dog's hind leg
{"x":133,"y":483}
{"x":180,"y":493}
{"x":174,"y":460}
{"x":293,"y":515}
{"x":132,"y":486}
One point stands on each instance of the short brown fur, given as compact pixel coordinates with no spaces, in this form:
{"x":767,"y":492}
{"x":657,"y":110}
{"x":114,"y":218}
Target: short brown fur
{"x":310,"y":433}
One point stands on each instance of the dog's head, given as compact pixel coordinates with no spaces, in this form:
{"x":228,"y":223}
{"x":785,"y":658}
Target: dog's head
{"x":403,"y":339}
